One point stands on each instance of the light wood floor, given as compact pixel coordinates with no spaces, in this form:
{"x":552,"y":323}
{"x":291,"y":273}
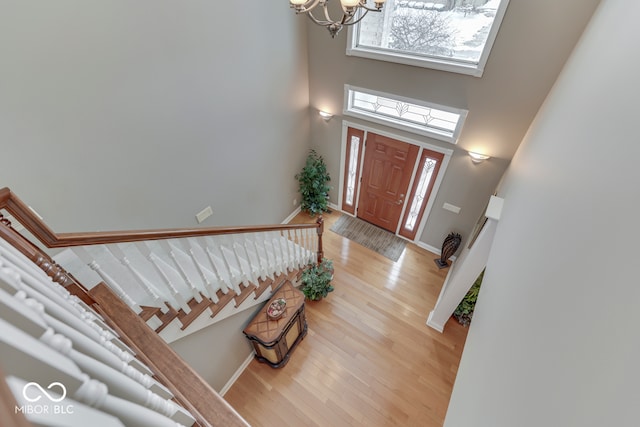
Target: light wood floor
{"x":368,"y":359}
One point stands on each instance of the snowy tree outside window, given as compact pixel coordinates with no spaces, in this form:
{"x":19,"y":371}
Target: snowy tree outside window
{"x":451,"y":35}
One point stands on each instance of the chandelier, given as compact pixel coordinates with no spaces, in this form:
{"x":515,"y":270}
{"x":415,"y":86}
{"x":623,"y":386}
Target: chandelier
{"x":351,"y":12}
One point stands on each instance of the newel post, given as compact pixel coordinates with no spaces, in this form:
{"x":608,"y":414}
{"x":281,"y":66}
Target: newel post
{"x":320,"y":229}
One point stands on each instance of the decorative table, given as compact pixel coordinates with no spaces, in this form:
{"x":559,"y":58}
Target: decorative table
{"x":274,"y":339}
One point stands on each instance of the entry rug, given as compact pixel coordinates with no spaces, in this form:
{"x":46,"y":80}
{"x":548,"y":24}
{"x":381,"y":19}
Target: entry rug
{"x":370,"y":236}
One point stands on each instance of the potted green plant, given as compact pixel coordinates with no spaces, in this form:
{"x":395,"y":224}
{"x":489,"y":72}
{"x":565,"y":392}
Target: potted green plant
{"x":313,"y":185}
{"x":316,"y":280}
{"x":464,"y":312}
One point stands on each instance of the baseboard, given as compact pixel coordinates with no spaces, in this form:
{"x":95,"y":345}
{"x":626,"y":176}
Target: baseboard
{"x":430,"y":248}
{"x":433,"y":250}
{"x":438,"y":327}
{"x":288,"y":219}
{"x":236,"y":375}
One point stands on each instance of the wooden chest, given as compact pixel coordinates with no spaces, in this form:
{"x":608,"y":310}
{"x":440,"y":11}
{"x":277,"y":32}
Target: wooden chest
{"x":274,"y":340}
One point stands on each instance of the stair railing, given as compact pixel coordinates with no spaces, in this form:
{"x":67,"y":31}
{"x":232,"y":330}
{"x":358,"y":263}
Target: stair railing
{"x":22,"y":214}
{"x":120,"y":311}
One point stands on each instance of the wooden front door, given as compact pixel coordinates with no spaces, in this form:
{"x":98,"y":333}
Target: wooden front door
{"x":386,"y":173}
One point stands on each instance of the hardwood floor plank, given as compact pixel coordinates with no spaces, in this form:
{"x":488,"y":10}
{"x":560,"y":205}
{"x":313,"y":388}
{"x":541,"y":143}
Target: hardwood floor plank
{"x":368,"y":358}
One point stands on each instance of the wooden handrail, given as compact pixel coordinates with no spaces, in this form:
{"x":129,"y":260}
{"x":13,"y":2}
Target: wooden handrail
{"x":23,"y":214}
{"x":188,"y":387}
{"x":204,"y":403}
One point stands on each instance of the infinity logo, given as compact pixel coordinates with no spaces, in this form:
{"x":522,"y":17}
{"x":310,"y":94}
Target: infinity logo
{"x":44,"y":392}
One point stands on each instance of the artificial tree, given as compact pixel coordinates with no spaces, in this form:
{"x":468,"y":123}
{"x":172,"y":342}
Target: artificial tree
{"x":313,"y":185}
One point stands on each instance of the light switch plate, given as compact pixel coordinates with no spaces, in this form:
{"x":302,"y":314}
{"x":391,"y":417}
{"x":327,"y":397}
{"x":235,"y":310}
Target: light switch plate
{"x":450,"y":207}
{"x":204,"y":214}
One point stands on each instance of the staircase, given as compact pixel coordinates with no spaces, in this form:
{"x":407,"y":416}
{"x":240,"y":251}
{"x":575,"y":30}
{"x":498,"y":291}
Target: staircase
{"x":95,"y":342}
{"x":179,"y":286}
{"x":180,"y":280}
{"x":103,"y":322}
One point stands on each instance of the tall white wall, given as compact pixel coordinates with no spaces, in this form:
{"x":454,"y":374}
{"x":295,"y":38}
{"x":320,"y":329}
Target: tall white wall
{"x":132,"y":115}
{"x":554,"y":339}
{"x":118,"y":114}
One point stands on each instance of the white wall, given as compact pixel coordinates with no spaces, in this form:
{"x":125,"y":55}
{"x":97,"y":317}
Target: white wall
{"x":133,"y":115}
{"x":120,"y":115}
{"x":554,"y":338}
{"x":217,"y":351}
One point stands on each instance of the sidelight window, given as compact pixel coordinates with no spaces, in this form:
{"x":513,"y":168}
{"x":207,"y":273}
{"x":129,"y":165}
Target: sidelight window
{"x":427,"y":171}
{"x":355,"y":142}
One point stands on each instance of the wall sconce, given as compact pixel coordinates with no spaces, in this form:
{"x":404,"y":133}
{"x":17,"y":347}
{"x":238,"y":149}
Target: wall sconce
{"x":325,"y":116}
{"x":477,"y":157}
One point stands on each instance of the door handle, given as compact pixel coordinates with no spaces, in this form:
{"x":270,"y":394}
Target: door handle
{"x":399,"y":202}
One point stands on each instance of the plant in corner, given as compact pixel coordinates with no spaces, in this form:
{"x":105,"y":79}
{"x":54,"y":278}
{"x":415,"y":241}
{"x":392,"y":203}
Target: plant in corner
{"x":464,"y":312}
{"x":313,"y":188}
{"x":316,"y":280}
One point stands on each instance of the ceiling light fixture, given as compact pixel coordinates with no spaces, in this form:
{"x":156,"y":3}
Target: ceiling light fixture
{"x":352,"y":12}
{"x":477,"y":157}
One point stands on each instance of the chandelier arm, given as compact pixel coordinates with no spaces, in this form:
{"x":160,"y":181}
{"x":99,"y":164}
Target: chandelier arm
{"x":307,"y":7}
{"x":326,"y":11}
{"x":350,"y":15}
{"x":370,"y":9}
{"x":349,"y":22}
{"x":317,"y":21}
{"x":328,"y":21}
{"x":345,"y":16}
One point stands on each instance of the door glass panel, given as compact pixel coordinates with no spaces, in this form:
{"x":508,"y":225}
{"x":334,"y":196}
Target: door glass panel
{"x":352,"y":169}
{"x":353,"y":148}
{"x":421,"y":193}
{"x":426,"y":173}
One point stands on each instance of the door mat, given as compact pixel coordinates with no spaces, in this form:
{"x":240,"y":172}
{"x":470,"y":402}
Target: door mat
{"x":370,"y":236}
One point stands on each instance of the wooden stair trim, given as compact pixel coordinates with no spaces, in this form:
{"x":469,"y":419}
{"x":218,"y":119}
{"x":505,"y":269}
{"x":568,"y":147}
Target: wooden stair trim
{"x":166,"y":318}
{"x":263,"y":285}
{"x":197,"y":308}
{"x":148,"y":312}
{"x":223,"y":300}
{"x":244,"y":294}
{"x":189,"y":388}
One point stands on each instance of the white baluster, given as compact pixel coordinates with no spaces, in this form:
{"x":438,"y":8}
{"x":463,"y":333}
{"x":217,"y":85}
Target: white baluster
{"x":262,"y":245}
{"x":118,"y":384}
{"x":209,"y":289}
{"x":20,"y":262}
{"x":89,"y":261}
{"x":298,"y":234}
{"x":164,"y":244}
{"x":246,"y":276}
{"x":148,"y":287}
{"x":313,"y":246}
{"x":82,"y":416}
{"x":250,"y":240}
{"x":234,"y":278}
{"x":222,"y":284}
{"x":284,"y":248}
{"x":156,"y":262}
{"x":277,"y":250}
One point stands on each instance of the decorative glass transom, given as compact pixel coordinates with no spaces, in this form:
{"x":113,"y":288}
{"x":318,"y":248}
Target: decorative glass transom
{"x":413,"y":115}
